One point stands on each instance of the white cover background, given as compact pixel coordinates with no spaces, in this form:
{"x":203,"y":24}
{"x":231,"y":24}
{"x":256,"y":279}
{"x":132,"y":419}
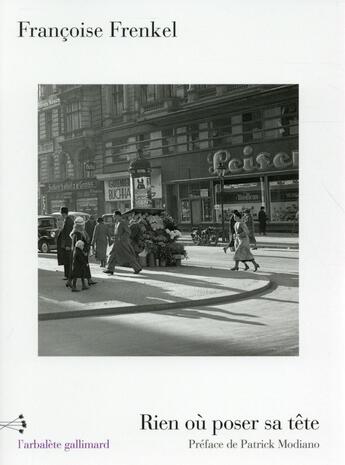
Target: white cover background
{"x":94,"y":398}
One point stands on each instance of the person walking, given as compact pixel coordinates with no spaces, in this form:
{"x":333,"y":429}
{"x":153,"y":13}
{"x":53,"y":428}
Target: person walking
{"x":231,"y":243}
{"x":122,"y":252}
{"x":80,"y":266}
{"x":79,"y":234}
{"x":262,"y":221}
{"x":242,"y":246}
{"x":100,"y":240}
{"x":249,"y":222}
{"x":90,"y":225}
{"x":64,"y":243}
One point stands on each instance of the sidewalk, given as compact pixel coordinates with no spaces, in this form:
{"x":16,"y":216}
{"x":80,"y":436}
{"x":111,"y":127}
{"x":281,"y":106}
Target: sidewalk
{"x":272,"y":240}
{"x":152,"y":289}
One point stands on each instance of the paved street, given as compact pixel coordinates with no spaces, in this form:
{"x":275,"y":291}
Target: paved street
{"x":264,"y":324}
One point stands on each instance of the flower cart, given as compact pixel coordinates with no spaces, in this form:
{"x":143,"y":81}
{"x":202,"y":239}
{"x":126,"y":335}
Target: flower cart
{"x":154,"y":236}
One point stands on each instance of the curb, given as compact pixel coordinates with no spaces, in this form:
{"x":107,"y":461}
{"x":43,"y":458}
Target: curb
{"x":155,"y":307}
{"x":268,"y":245}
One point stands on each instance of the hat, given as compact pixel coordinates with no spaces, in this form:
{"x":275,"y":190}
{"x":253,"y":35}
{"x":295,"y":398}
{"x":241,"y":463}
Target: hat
{"x":79,"y":244}
{"x":79,"y":220}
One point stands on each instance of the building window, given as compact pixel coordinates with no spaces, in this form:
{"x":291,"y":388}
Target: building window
{"x":51,"y":164}
{"x":48,"y":124}
{"x":252,"y":126}
{"x":193,"y":137}
{"x":168,"y":141}
{"x":149,"y":93}
{"x":221,"y":132}
{"x":73,"y":116}
{"x":63,"y":166}
{"x":117,"y":150}
{"x":283,"y":200}
{"x":44,"y":90}
{"x":289,"y":120}
{"x":40,"y":166}
{"x":118,"y":100}
{"x":144,"y":143}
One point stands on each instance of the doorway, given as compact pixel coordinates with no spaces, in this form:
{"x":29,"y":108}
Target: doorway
{"x":196,"y":211}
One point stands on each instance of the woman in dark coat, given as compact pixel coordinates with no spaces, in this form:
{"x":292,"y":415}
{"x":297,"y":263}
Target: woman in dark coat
{"x":79,"y":234}
{"x":80,"y":266}
{"x":100,"y":240}
{"x":231,"y":243}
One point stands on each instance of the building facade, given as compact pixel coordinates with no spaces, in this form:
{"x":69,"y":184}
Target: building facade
{"x":187,"y":132}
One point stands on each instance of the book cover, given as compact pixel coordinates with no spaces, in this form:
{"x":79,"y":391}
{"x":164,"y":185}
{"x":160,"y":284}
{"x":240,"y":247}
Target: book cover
{"x":171,"y":280}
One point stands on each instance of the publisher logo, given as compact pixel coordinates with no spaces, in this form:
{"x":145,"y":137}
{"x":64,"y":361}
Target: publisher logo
{"x":18,"y":424}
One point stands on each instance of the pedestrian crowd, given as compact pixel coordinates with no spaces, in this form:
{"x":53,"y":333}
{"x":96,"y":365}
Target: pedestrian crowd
{"x":78,"y":239}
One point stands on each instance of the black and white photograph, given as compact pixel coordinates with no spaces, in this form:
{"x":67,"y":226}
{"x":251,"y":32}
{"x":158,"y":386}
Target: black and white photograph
{"x":168,"y":219}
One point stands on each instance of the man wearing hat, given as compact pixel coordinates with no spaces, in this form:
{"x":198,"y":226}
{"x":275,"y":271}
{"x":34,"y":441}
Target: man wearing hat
{"x":64,"y":243}
{"x":122,"y":252}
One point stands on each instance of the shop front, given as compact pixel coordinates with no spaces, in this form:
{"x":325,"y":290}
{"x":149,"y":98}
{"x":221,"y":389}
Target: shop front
{"x":251,"y":177}
{"x":83,"y":195}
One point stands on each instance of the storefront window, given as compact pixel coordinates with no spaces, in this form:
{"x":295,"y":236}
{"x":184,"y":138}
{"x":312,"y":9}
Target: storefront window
{"x":284,"y":200}
{"x":241,"y":196}
{"x":185,"y":211}
{"x":88,"y":205}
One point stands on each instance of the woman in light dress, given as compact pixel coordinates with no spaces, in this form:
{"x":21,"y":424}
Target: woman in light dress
{"x":242,"y":245}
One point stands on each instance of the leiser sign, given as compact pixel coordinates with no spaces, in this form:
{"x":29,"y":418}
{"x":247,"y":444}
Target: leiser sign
{"x":117,"y":189}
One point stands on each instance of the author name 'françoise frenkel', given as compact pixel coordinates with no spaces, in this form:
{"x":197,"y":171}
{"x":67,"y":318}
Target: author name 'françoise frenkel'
{"x":115,"y":29}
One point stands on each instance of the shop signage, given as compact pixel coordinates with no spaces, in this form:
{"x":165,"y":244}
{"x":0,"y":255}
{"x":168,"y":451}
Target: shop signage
{"x":141,"y":192}
{"x":49,"y":102}
{"x":90,"y":165}
{"x":117,"y":189}
{"x":244,"y":197}
{"x":251,"y":162}
{"x":72,"y":185}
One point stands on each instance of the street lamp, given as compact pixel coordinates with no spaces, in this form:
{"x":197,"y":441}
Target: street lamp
{"x":221,"y":170}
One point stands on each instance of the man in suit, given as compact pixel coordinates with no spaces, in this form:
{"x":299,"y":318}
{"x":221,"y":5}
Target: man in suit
{"x":64,"y":243}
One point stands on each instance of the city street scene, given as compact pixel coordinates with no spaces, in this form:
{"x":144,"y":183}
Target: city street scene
{"x":168,"y":220}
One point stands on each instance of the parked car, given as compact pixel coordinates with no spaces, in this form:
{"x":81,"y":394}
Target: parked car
{"x":74,"y":215}
{"x":48,"y":230}
{"x":49,"y":227}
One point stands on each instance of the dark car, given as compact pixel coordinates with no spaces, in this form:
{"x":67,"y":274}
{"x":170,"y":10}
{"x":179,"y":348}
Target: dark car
{"x":47,"y":233}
